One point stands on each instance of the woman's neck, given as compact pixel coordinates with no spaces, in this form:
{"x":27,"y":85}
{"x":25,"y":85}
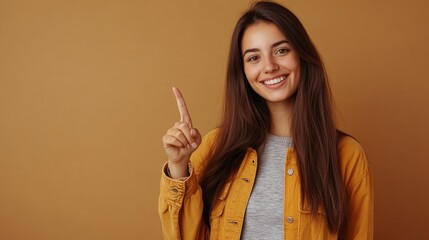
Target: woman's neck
{"x":281,"y":116}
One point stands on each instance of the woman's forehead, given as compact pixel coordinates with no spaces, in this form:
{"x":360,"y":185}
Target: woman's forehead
{"x":261,"y":34}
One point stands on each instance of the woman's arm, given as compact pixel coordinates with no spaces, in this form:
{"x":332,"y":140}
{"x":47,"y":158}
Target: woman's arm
{"x":356,"y":171}
{"x":180,"y":200}
{"x":181,"y":207}
{"x":361,"y":209}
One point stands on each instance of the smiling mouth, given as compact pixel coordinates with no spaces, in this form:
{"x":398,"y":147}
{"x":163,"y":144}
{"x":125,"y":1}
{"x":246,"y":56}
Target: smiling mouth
{"x":274,"y":80}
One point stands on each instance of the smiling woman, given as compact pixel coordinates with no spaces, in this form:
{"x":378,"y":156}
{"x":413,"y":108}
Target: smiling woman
{"x":276,"y":167}
{"x":271,"y":65}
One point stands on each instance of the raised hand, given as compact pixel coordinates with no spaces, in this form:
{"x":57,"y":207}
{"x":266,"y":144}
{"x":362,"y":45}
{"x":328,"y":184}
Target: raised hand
{"x":181,"y":140}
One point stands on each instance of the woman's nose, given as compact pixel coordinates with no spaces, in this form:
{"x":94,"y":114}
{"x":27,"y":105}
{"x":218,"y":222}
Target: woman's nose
{"x":270,"y":65}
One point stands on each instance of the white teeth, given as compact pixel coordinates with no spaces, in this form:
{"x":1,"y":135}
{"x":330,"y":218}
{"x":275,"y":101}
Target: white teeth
{"x":275,"y":80}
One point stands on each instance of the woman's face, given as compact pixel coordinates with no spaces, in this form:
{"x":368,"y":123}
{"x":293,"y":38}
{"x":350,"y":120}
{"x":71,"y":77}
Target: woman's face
{"x":271,"y":65}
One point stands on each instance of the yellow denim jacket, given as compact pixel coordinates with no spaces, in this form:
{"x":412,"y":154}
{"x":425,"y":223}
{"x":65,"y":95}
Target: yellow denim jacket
{"x":181,"y":205}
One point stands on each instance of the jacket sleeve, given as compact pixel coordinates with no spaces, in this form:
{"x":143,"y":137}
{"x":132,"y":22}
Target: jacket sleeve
{"x":360,"y":192}
{"x":181,"y":202}
{"x":181,"y":207}
{"x":361,"y":210}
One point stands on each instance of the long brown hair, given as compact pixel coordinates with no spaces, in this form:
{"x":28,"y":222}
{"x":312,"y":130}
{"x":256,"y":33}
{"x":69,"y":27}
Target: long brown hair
{"x":246,"y":122}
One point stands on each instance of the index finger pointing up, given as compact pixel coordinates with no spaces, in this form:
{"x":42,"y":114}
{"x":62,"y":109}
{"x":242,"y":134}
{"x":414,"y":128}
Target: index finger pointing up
{"x":183,"y":110}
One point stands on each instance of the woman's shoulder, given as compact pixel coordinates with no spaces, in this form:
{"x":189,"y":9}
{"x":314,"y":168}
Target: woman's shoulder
{"x":348,"y":144}
{"x":354,"y":163}
{"x":210,"y":136}
{"x":204,"y":150}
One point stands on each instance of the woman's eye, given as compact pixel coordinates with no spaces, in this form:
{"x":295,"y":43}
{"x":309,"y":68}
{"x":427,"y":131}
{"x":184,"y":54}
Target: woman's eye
{"x":253,"y":59}
{"x":282,"y":51}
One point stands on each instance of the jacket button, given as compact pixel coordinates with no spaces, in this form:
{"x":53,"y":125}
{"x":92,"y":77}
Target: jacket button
{"x":290,"y":171}
{"x":289,"y":219}
{"x":233,"y":222}
{"x":246,"y":180}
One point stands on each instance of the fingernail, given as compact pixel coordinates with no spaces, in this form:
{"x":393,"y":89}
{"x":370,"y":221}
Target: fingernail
{"x":194,"y":145}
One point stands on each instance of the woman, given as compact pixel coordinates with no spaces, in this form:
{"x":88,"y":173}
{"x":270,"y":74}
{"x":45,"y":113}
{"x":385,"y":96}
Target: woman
{"x":276,"y":167}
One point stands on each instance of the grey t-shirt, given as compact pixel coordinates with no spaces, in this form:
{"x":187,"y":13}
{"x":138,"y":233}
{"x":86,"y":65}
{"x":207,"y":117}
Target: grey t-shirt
{"x":264,"y":213}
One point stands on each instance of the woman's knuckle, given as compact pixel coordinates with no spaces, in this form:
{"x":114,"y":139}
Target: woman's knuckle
{"x":178,"y":134}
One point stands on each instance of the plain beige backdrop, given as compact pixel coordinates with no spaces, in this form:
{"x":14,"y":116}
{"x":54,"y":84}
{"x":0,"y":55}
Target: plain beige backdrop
{"x":85,"y":97}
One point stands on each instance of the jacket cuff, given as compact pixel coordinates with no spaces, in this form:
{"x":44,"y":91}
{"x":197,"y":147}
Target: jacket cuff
{"x":175,"y":190}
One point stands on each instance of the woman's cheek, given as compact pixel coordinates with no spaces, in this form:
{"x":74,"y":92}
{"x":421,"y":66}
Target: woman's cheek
{"x":251,"y":73}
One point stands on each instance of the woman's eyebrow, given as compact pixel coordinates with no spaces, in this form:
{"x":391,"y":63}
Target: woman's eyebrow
{"x":279,"y":43}
{"x":250,"y":50}
{"x":273,"y":45}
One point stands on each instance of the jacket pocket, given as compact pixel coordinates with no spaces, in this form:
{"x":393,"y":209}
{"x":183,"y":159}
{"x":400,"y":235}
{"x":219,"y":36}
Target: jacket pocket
{"x":313,"y":226}
{"x":306,"y":209}
{"x":217,"y":210}
{"x":219,"y":205}
{"x":216,"y":214}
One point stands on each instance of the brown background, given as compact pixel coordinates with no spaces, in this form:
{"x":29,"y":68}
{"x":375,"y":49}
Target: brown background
{"x":85,"y":98}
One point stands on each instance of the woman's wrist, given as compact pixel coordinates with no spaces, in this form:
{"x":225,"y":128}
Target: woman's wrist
{"x":177,"y":170}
